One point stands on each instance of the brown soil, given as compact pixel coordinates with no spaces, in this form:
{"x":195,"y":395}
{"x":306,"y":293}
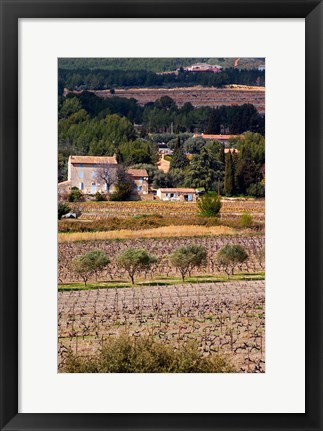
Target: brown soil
{"x":198,"y":96}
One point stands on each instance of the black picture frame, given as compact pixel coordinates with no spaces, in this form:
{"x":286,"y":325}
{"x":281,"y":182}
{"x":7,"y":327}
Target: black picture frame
{"x":11,"y":11}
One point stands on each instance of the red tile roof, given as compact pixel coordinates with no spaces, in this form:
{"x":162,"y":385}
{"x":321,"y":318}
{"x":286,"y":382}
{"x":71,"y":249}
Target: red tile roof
{"x":138,"y":172}
{"x":217,"y":137}
{"x":93,"y":160}
{"x":179,"y":190}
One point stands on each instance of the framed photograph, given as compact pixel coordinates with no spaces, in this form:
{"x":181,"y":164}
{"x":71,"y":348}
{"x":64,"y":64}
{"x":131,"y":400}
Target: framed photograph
{"x":161,"y":190}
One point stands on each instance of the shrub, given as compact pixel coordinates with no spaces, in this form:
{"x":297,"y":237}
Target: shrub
{"x":75,"y":195}
{"x":209,"y":204}
{"x":231,"y":255}
{"x":187,"y":258}
{"x":256,"y":189}
{"x":245,"y":220}
{"x":134,"y":260}
{"x":128,"y":354}
{"x":100,"y":197}
{"x":63,"y":208}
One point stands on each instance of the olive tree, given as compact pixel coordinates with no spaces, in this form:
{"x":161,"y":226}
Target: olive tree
{"x":134,"y":260}
{"x":185,"y":259}
{"x":229,"y":256}
{"x":90,"y":263}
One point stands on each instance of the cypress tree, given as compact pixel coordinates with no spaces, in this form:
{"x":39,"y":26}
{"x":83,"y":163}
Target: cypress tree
{"x":179,"y":159}
{"x":229,"y":188}
{"x":222,"y":154}
{"x":214,"y":123}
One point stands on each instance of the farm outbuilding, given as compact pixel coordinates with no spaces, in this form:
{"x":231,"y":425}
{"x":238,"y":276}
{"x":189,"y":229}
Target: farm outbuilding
{"x":177,"y":194}
{"x":140,"y":178}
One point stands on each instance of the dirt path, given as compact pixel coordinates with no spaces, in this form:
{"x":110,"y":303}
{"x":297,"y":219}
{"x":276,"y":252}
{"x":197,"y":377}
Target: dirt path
{"x":163,"y":165}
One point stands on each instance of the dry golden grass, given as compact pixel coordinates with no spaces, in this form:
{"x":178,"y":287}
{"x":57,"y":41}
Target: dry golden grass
{"x":160,"y":232}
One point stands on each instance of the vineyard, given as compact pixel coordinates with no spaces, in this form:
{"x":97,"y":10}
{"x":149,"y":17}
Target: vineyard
{"x":197,"y":96}
{"x":183,"y":210}
{"x":222,"y":317}
{"x":226,"y":318}
{"x":162,"y":248}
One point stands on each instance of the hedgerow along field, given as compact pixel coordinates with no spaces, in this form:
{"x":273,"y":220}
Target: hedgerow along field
{"x":222,"y":318}
{"x":181,"y":210}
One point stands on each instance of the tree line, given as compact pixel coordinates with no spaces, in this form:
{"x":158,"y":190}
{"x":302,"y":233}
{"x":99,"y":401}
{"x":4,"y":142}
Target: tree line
{"x":134,"y":260}
{"x":90,"y":125}
{"x":100,"y":79}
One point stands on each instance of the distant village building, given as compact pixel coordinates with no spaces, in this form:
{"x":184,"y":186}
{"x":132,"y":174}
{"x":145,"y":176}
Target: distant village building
{"x":262,"y":67}
{"x":86,"y":173}
{"x":231,"y":150}
{"x":164,"y":149}
{"x":223,"y":139}
{"x":177,"y":194}
{"x":203,"y":67}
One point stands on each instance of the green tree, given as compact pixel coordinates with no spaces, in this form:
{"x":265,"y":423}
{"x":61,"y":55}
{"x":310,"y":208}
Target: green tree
{"x":222,"y":154}
{"x":247,"y":172}
{"x":209,"y":204}
{"x":194,"y":145}
{"x":69,"y":106}
{"x":139,"y":152}
{"x":63,"y":208}
{"x":90,"y":263}
{"x":229,"y":256}
{"x":179,"y":159}
{"x":134,"y":260}
{"x":124,"y":185}
{"x":75,"y":195}
{"x":185,"y":259}
{"x":229,"y":177}
{"x":204,"y":171}
{"x":214,"y":123}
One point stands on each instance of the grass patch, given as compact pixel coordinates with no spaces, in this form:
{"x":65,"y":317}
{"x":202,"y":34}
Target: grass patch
{"x":163,"y":281}
{"x":160,"y":232}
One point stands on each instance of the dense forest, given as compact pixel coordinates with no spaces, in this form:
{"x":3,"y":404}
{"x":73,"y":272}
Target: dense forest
{"x":154,"y":64}
{"x":99,"y":79}
{"x":86,"y":109}
{"x":90,"y":125}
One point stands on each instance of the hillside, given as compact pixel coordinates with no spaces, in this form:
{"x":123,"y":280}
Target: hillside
{"x":197,"y":96}
{"x":153,"y":64}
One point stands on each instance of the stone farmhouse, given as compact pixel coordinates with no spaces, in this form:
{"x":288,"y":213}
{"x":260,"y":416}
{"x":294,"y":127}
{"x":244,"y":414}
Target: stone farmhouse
{"x":140,"y":178}
{"x":177,"y":194}
{"x":93,"y":174}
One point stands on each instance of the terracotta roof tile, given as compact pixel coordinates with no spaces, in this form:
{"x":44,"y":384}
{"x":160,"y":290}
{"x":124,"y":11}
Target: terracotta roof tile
{"x":179,"y":190}
{"x":93,"y":159}
{"x":138,"y":172}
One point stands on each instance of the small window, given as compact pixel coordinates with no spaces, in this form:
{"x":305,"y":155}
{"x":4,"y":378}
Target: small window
{"x":81,"y":186}
{"x":81,"y":165}
{"x":93,"y":174}
{"x":81,"y":173}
